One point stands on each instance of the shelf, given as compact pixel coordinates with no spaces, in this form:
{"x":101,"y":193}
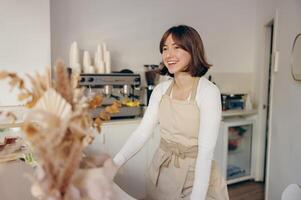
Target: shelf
{"x":233,"y":113}
{"x":237,"y":180}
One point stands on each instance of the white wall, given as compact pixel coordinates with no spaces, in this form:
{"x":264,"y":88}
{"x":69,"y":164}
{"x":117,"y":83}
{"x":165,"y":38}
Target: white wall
{"x":284,"y":163}
{"x":132,"y":29}
{"x":24,"y":40}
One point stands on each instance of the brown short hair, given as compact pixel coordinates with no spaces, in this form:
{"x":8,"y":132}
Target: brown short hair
{"x":188,"y":39}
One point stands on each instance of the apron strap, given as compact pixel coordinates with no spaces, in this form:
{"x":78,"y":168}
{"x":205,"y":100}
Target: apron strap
{"x":193,"y":91}
{"x":168,"y":91}
{"x":194,"y":88}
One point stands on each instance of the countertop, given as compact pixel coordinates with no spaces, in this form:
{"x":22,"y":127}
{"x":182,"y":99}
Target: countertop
{"x":19,"y":110}
{"x":228,"y":113}
{"x":14,"y":180}
{"x":233,"y":113}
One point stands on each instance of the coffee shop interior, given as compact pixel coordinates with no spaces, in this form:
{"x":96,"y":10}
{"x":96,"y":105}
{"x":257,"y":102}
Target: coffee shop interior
{"x":254,"y":47}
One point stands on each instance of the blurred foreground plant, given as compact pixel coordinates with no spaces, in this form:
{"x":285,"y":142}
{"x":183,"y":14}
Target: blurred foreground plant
{"x":59,"y":126}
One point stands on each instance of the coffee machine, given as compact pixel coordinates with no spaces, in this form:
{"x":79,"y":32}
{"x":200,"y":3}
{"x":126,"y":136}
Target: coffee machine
{"x":151,"y":77}
{"x":115,"y":86}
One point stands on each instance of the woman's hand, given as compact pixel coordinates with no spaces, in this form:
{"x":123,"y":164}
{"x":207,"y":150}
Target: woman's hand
{"x":94,"y":180}
{"x":93,"y":161}
{"x":96,"y":183}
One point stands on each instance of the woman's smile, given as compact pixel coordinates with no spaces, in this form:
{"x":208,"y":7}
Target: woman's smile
{"x":171,"y":63}
{"x":175,"y":58}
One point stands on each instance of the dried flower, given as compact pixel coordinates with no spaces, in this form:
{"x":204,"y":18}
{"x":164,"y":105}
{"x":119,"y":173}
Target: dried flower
{"x":58,"y":126}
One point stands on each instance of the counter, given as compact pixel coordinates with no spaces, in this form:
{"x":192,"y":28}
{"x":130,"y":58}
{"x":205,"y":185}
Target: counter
{"x":20,"y":111}
{"x":228,"y":113}
{"x":234,"y":113}
{"x":14,"y":184}
{"x":131,"y":178}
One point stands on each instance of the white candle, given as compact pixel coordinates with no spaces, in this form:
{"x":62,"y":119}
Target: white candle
{"x":100,"y":68}
{"x":76,"y":68}
{"x":104,"y":47}
{"x":91,"y":69}
{"x":107,"y":57}
{"x":85,"y":70}
{"x":100,"y":52}
{"x":86,"y":59}
{"x":98,"y":60}
{"x":74,"y":55}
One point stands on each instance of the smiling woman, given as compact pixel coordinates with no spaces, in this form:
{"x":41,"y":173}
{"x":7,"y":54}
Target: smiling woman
{"x":188,"y":112}
{"x":175,"y":58}
{"x":187,"y":43}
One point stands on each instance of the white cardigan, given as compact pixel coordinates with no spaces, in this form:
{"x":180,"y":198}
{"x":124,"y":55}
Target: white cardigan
{"x":209,"y":101}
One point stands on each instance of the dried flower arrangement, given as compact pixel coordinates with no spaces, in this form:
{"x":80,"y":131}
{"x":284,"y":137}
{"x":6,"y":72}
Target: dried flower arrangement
{"x":58,"y":126}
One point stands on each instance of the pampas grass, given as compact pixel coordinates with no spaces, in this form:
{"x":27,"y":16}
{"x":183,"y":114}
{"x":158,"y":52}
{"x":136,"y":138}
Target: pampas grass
{"x":58,"y":126}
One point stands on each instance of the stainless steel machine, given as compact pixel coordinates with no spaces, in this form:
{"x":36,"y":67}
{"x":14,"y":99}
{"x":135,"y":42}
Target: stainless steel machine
{"x":115,"y":86}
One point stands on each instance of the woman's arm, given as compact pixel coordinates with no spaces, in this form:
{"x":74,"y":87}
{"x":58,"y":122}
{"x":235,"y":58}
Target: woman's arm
{"x":209,"y":103}
{"x":145,"y":128}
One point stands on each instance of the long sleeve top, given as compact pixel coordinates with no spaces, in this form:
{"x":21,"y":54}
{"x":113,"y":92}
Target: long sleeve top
{"x":208,"y":100}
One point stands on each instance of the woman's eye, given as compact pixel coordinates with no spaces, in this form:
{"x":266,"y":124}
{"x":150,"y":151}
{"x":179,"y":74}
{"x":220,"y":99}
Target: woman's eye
{"x":164,"y":49}
{"x":177,"y":47}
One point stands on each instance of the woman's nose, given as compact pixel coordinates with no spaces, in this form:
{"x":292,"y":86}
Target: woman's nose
{"x":169,"y":53}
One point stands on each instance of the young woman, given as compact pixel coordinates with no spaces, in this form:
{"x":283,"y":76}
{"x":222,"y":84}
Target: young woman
{"x":188,"y":111}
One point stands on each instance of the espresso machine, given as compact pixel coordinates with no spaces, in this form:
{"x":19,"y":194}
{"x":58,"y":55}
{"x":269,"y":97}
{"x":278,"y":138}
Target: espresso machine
{"x":151,"y":77}
{"x":115,"y":86}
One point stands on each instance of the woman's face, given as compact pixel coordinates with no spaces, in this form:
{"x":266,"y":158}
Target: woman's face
{"x":175,"y":58}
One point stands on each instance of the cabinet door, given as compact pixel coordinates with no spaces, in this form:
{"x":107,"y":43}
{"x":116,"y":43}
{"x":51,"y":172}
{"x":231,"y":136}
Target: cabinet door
{"x":98,"y":145}
{"x":238,"y":149}
{"x":131,"y":177}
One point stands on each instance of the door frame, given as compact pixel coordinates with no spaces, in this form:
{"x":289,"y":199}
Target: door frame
{"x":273,"y":21}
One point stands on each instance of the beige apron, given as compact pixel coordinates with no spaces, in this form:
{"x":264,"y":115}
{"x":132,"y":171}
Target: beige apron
{"x":171,"y":173}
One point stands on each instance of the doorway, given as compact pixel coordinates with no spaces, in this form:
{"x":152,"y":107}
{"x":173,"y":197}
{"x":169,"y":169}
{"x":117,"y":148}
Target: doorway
{"x":257,"y":189}
{"x":266,"y":105}
{"x":267,"y":93}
